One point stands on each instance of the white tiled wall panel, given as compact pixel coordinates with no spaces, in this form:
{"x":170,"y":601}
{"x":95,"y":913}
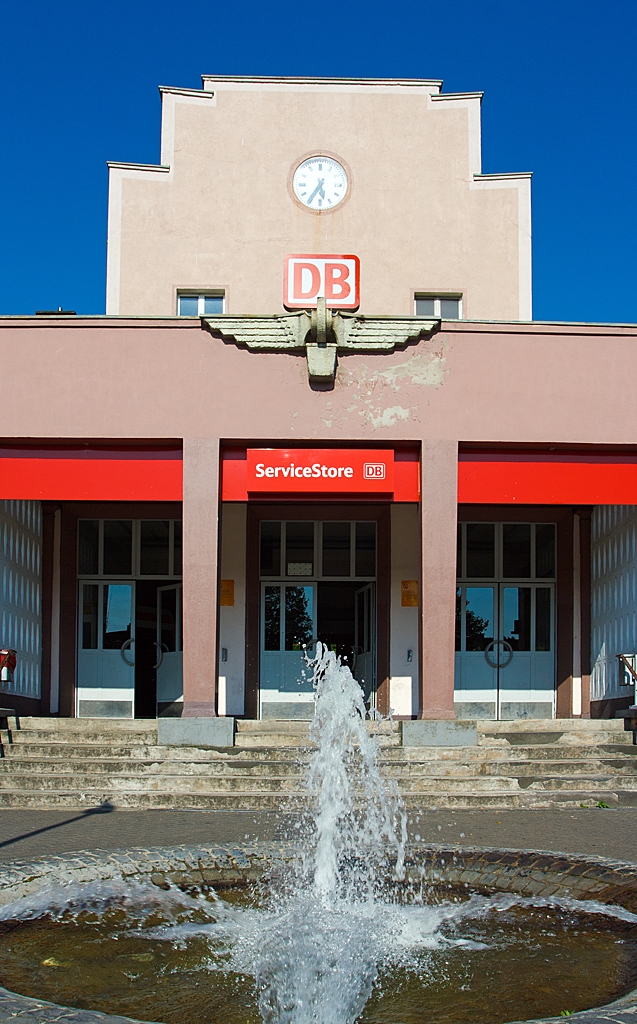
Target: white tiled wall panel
{"x":21,"y":595}
{"x":613,"y":597}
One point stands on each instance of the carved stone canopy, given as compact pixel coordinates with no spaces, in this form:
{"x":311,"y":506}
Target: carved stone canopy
{"x":322,"y":334}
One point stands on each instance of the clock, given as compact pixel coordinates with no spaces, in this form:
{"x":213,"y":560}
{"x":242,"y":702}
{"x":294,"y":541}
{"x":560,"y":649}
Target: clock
{"x":320,"y":183}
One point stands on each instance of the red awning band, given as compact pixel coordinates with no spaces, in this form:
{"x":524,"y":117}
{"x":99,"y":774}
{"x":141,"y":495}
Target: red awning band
{"x":541,"y":478}
{"x":69,"y":473}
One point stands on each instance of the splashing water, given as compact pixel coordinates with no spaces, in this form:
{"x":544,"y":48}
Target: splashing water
{"x":319,"y":957}
{"x":360,"y":819}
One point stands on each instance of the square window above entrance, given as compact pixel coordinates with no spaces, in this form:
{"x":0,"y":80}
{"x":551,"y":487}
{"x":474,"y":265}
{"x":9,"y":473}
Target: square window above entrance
{"x":507,"y":551}
{"x":334,"y":550}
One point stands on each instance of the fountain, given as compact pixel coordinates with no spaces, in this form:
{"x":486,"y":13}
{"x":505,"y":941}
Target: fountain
{"x":345,"y":924}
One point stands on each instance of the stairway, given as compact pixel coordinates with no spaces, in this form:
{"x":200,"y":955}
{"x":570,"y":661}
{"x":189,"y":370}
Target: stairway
{"x":81,"y":763}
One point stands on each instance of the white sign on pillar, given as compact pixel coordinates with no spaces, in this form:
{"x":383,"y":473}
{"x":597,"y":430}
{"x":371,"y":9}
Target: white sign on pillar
{"x":306,"y":278}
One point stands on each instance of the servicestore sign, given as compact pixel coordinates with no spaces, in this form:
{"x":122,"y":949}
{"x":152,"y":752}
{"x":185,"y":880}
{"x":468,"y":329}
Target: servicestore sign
{"x":320,"y":471}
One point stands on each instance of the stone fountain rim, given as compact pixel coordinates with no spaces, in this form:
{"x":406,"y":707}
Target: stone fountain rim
{"x":525,"y":871}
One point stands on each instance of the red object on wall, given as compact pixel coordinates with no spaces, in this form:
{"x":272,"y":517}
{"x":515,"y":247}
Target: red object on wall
{"x":91,"y":474}
{"x":320,"y":471}
{"x":306,"y":276}
{"x":543,"y":478}
{"x":155,"y":474}
{"x":240,"y":482}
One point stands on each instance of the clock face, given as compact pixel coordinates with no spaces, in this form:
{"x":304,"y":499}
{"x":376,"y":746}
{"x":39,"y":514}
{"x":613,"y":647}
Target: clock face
{"x":320,"y":183}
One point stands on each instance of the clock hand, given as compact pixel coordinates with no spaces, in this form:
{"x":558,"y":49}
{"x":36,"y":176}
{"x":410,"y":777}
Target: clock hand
{"x":317,"y":190}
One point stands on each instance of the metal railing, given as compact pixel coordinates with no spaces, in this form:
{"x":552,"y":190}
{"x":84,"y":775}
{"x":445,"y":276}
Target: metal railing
{"x":623,"y":659}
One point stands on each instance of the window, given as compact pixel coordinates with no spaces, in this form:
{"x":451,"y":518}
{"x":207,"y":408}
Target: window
{"x":445,"y":307}
{"x":325,"y":550}
{"x":129,"y":547}
{"x":200,"y":305}
{"x":506,"y":551}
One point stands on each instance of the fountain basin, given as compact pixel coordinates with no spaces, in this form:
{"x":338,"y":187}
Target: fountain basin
{"x":448,"y":872}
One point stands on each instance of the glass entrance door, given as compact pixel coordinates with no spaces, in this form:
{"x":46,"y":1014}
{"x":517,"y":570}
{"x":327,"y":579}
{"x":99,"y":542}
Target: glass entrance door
{"x":317,"y":583}
{"x":525,"y":650}
{"x":106,"y":656}
{"x":169,"y":664}
{"x":288,"y":627}
{"x":476,"y":676}
{"x":365,"y":640}
{"x":505,"y":658}
{"x":505,"y":620}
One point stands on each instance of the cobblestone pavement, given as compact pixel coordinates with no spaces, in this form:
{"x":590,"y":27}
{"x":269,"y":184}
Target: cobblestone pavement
{"x":25,"y":834}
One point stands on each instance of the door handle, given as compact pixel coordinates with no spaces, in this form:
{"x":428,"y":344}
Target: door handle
{"x":498,"y":663}
{"x":160,"y":653}
{"x":125,"y":647}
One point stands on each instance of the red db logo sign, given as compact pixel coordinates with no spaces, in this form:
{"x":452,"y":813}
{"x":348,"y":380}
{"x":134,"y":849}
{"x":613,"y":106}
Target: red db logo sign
{"x":307,"y":278}
{"x":374,"y":471}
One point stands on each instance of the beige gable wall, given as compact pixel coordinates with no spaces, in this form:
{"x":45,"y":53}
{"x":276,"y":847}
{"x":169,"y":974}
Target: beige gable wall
{"x":218,"y":212}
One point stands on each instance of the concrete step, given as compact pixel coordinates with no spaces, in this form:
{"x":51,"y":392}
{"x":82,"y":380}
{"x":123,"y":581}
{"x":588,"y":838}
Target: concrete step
{"x":512,"y":784}
{"x":73,"y":799}
{"x":105,"y":751}
{"x":563,"y":725}
{"x":277,"y":733}
{"x":80,"y":763}
{"x":133,"y":726}
{"x":13,"y":767}
{"x":392,"y":759}
{"x":247,"y":741}
{"x":567,"y":800}
{"x":169,"y":784}
{"x":271,"y":740}
{"x":131,"y":739}
{"x":252,"y":727}
{"x":198,"y":764}
{"x":562,"y":766}
{"x":193,"y":783}
{"x":495,"y":800}
{"x":563,"y":731}
{"x":275,"y":739}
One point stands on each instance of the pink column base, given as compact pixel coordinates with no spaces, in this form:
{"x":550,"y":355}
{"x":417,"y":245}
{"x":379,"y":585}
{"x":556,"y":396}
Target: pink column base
{"x":199,"y":709}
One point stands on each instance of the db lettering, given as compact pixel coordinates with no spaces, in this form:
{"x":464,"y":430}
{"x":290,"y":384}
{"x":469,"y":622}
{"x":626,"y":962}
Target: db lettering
{"x":336,"y":278}
{"x":374,"y":471}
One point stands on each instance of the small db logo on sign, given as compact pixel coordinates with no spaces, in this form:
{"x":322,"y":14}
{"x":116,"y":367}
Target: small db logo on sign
{"x":307,"y":278}
{"x":374,"y":471}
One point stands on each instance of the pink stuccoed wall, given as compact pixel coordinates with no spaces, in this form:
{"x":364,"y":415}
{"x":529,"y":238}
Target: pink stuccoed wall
{"x":108,"y":378}
{"x":218,"y":213}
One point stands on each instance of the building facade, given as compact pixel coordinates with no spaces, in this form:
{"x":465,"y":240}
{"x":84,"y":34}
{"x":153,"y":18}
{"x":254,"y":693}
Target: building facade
{"x":318,"y":410}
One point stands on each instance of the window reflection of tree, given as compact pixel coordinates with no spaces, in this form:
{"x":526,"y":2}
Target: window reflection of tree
{"x":272,"y":618}
{"x":476,"y":630}
{"x":298,"y":617}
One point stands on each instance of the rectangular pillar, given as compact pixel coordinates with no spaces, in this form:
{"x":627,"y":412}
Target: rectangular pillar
{"x":585,"y":607}
{"x":439,"y":514}
{"x":200,"y":545}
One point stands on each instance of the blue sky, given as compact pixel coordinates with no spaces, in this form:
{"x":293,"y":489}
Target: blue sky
{"x":79,"y":87}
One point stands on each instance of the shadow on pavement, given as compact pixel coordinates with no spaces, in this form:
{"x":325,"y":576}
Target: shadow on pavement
{"x":104,"y":808}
